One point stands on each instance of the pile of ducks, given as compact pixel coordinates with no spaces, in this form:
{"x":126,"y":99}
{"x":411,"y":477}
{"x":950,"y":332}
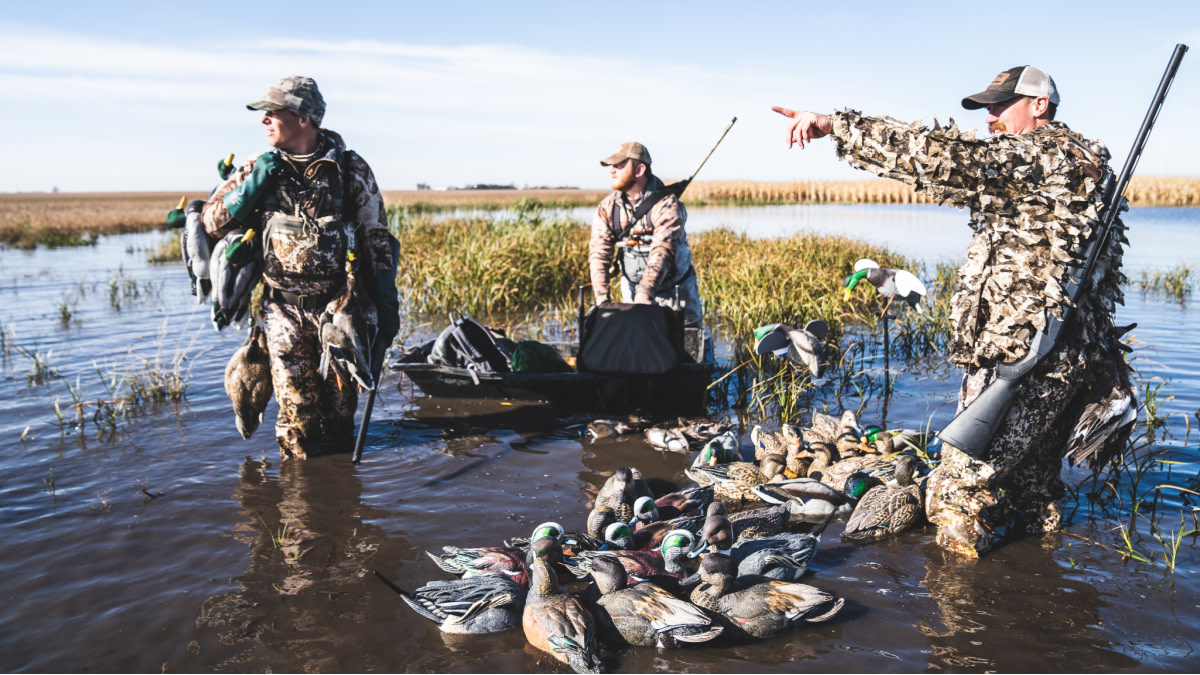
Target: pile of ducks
{"x":719,"y":561}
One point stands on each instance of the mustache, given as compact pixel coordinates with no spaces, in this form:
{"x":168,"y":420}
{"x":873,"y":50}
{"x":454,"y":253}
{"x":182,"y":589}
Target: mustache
{"x":997,"y":127}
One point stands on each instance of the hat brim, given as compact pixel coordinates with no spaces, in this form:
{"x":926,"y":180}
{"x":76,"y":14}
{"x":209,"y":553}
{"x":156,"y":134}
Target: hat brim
{"x":264,"y":105}
{"x":986,"y":98}
{"x":614,"y":159}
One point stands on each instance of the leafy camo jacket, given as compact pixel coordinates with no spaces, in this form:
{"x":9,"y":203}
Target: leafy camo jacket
{"x":307,"y":256}
{"x":1032,"y":198}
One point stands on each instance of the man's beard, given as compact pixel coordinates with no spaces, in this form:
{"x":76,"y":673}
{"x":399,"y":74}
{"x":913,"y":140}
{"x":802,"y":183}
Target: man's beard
{"x":624,"y":183}
{"x":997,"y":127}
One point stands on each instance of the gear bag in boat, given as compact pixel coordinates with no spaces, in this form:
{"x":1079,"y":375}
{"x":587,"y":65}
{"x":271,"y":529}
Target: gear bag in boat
{"x":469,"y":344}
{"x":630,"y":339}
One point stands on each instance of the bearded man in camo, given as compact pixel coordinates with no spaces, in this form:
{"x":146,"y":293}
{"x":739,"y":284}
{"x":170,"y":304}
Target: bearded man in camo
{"x":1032,"y":191}
{"x":314,"y":203}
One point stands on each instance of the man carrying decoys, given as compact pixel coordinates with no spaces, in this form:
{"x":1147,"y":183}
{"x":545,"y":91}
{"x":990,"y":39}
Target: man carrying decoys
{"x":1033,"y":190}
{"x":322,"y":223}
{"x":640,"y":227}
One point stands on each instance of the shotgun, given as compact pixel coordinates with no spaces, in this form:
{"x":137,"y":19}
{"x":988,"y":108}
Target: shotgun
{"x":972,"y":429}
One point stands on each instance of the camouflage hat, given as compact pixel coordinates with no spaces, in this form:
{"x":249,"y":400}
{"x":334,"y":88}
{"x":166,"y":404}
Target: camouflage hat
{"x":630,"y":150}
{"x":1014,"y":82}
{"x":295,"y":93}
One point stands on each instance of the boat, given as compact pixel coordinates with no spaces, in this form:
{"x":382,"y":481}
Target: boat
{"x":683,"y":389}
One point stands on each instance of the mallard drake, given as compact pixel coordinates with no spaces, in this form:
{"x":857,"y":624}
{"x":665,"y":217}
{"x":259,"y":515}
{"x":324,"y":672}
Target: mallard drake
{"x":559,"y":624}
{"x":486,"y":604}
{"x":756,"y":607}
{"x":801,"y":346}
{"x":248,"y":381}
{"x":809,"y":499}
{"x":646,"y":614}
{"x":891,"y":283}
{"x":196,"y":247}
{"x":347,"y":330}
{"x":233,"y":283}
{"x":887,"y":509}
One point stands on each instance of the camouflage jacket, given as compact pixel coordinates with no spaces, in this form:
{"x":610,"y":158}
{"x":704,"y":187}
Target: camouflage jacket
{"x":305,"y":240}
{"x":656,"y":254}
{"x":1033,"y":198}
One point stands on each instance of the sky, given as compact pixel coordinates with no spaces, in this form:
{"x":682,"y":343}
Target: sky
{"x":140,"y":96}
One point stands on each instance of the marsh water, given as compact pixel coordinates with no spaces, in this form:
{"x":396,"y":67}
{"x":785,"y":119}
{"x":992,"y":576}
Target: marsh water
{"x":156,"y":539}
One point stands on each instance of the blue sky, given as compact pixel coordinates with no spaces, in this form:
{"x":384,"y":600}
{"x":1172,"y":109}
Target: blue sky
{"x":147,"y":96}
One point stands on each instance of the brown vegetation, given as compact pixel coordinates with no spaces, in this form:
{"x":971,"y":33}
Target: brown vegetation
{"x":63,"y":219}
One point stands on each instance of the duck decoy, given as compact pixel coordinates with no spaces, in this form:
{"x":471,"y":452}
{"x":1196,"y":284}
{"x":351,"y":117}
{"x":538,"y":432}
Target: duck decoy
{"x":665,"y":562}
{"x":809,"y":499}
{"x":755,"y":607}
{"x":347,"y":329}
{"x":196,"y":247}
{"x":891,"y":283}
{"x":801,"y":346}
{"x":887,"y":509}
{"x":783,"y":557}
{"x":248,"y":381}
{"x":609,"y":428}
{"x":616,"y":498}
{"x":486,"y":604}
{"x":646,"y":614}
{"x":511,"y":561}
{"x":233,"y":282}
{"x":671,"y":440}
{"x":557,"y":623}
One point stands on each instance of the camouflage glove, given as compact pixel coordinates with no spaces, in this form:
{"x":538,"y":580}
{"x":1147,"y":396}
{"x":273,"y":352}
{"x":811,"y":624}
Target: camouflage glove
{"x":387,"y":304}
{"x":242,"y":200}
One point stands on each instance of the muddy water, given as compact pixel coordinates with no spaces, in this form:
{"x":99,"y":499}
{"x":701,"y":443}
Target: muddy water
{"x":166,"y":542}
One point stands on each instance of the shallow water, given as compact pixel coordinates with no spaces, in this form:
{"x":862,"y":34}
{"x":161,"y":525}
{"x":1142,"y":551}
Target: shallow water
{"x":169,"y":543}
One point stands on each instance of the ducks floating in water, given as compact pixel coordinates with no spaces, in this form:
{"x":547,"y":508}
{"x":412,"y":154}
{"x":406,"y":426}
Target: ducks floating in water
{"x":557,"y":623}
{"x":645,"y":614}
{"x":486,"y":604}
{"x":888,"y":509}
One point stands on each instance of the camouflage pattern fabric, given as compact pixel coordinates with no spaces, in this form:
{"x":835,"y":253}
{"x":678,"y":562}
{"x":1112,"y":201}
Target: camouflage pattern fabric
{"x":659,"y":262}
{"x":1032,"y":198}
{"x":305,"y":254}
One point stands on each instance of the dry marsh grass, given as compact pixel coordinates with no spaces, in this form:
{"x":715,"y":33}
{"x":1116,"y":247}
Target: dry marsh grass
{"x":73,"y":219}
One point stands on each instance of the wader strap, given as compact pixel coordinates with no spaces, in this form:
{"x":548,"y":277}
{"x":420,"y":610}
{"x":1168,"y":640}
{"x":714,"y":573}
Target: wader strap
{"x":310,"y":303}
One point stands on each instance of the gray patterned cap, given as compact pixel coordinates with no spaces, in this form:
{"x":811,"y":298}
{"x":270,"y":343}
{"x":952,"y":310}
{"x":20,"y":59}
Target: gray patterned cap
{"x":1014,"y":82}
{"x":630,"y":150}
{"x":295,"y":93}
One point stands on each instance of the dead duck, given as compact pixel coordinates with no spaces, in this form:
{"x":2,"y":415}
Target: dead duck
{"x":887,"y":509}
{"x":801,"y":346}
{"x":645,"y":614}
{"x":559,"y":624}
{"x":891,"y":283}
{"x":756,"y":607}
{"x":486,"y":604}
{"x":248,"y":381}
{"x":347,"y":330}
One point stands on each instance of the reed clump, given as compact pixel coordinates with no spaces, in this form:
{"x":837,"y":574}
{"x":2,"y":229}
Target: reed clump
{"x":1175,"y":282}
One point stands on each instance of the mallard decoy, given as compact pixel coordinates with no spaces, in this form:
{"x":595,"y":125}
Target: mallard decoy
{"x":609,"y":428}
{"x":248,"y":381}
{"x":347,"y":330}
{"x":233,"y":283}
{"x":801,"y":346}
{"x":783,"y":557}
{"x":196,"y":247}
{"x":667,"y":561}
{"x":616,"y":497}
{"x":770,"y":443}
{"x":809,"y":499}
{"x":891,"y":283}
{"x":671,"y":440}
{"x":887,"y":509}
{"x":559,"y":624}
{"x":645,"y":615}
{"x":733,"y":483}
{"x":486,"y":604}
{"x":692,"y":501}
{"x":721,"y":450}
{"x":759,"y":608}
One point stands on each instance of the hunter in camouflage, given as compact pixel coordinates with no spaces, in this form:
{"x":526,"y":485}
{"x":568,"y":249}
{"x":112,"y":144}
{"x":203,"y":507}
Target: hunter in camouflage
{"x":655,"y":260}
{"x":315,"y":203}
{"x":1032,"y":191}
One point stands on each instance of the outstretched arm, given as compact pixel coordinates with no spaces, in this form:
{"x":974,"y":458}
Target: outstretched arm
{"x":806,"y":126}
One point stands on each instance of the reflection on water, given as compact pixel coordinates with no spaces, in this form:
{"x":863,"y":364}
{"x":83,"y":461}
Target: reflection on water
{"x":172,"y":544}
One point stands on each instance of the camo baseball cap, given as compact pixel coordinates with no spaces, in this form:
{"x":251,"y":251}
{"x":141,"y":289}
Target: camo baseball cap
{"x":630,"y":150}
{"x":1014,"y":82}
{"x":295,"y":93}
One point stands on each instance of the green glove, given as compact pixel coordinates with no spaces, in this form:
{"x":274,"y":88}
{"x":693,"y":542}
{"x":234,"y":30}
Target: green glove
{"x":387,"y":305}
{"x":242,"y":200}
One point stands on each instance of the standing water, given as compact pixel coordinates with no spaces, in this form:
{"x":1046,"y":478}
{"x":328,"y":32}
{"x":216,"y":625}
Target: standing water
{"x":146,"y":535}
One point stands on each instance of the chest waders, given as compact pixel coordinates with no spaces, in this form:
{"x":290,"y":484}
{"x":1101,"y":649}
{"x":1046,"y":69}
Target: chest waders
{"x":631,"y":261}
